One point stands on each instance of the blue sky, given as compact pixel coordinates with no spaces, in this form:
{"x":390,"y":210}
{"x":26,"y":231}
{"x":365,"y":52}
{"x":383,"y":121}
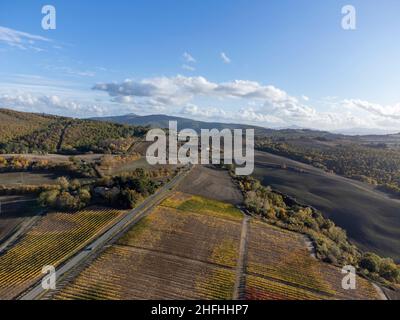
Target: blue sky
{"x":267,"y":62}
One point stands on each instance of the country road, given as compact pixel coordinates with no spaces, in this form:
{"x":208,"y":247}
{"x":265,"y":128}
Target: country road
{"x":241,"y":268}
{"x":119,"y":227}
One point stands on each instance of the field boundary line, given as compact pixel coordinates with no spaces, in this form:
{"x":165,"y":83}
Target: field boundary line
{"x":293,"y":285}
{"x":240,"y":281}
{"x":201,"y":214}
{"x":172,"y":255}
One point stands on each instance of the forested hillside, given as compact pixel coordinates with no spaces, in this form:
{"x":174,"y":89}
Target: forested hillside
{"x":33,"y":133}
{"x":15,"y":124}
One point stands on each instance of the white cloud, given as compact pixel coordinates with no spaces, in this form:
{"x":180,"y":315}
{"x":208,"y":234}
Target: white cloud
{"x":188,"y":68}
{"x":188,"y":58}
{"x":389,"y":112}
{"x":181,"y":89}
{"x":267,"y":104}
{"x":52,"y":104}
{"x":305,"y":98}
{"x":193,"y":110}
{"x":244,"y":115}
{"x":71,"y":71}
{"x":21,"y":40}
{"x":225,"y":58}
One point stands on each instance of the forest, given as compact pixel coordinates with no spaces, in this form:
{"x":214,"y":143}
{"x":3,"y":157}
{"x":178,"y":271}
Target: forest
{"x":34,"y":133}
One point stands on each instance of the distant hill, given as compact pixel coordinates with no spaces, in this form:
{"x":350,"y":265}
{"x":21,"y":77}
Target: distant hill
{"x":162,"y":121}
{"x":22,"y":132}
{"x":365,"y":132}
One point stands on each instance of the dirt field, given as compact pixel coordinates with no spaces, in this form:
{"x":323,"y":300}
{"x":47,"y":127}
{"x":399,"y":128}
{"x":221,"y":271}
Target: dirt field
{"x":211,"y":183}
{"x":371,"y":218}
{"x":14,"y":211}
{"x":27,"y":178}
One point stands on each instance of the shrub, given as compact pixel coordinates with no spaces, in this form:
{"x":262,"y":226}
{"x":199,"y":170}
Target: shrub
{"x":370,"y":261}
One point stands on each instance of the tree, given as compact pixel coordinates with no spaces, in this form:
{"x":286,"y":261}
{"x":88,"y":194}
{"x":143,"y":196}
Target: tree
{"x":63,"y":183}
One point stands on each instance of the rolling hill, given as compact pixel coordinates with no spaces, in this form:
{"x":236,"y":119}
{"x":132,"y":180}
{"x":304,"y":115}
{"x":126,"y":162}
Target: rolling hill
{"x":15,"y":124}
{"x":22,"y":132}
{"x":162,"y":121}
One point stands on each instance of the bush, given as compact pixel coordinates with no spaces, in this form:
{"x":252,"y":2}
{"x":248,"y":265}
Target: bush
{"x":370,"y":261}
{"x":389,"y":270}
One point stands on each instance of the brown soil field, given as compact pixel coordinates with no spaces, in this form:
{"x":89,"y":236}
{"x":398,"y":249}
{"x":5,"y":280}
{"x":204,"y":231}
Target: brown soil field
{"x":211,"y":183}
{"x":27,"y":178}
{"x":370,"y":217}
{"x":15,"y":210}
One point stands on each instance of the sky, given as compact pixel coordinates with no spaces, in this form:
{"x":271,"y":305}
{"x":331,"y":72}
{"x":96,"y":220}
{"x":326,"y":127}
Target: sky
{"x":272,"y":63}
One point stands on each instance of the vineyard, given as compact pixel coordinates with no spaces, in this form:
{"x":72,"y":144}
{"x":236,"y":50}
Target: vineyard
{"x":188,"y":248}
{"x":284,"y":258}
{"x":197,"y":204}
{"x":131,"y":273}
{"x":173,"y":253}
{"x":54,"y":239}
{"x":263,"y":289}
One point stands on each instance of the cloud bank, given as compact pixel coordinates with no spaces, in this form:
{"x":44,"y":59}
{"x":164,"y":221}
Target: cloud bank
{"x":51,"y":104}
{"x":260,"y":104}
